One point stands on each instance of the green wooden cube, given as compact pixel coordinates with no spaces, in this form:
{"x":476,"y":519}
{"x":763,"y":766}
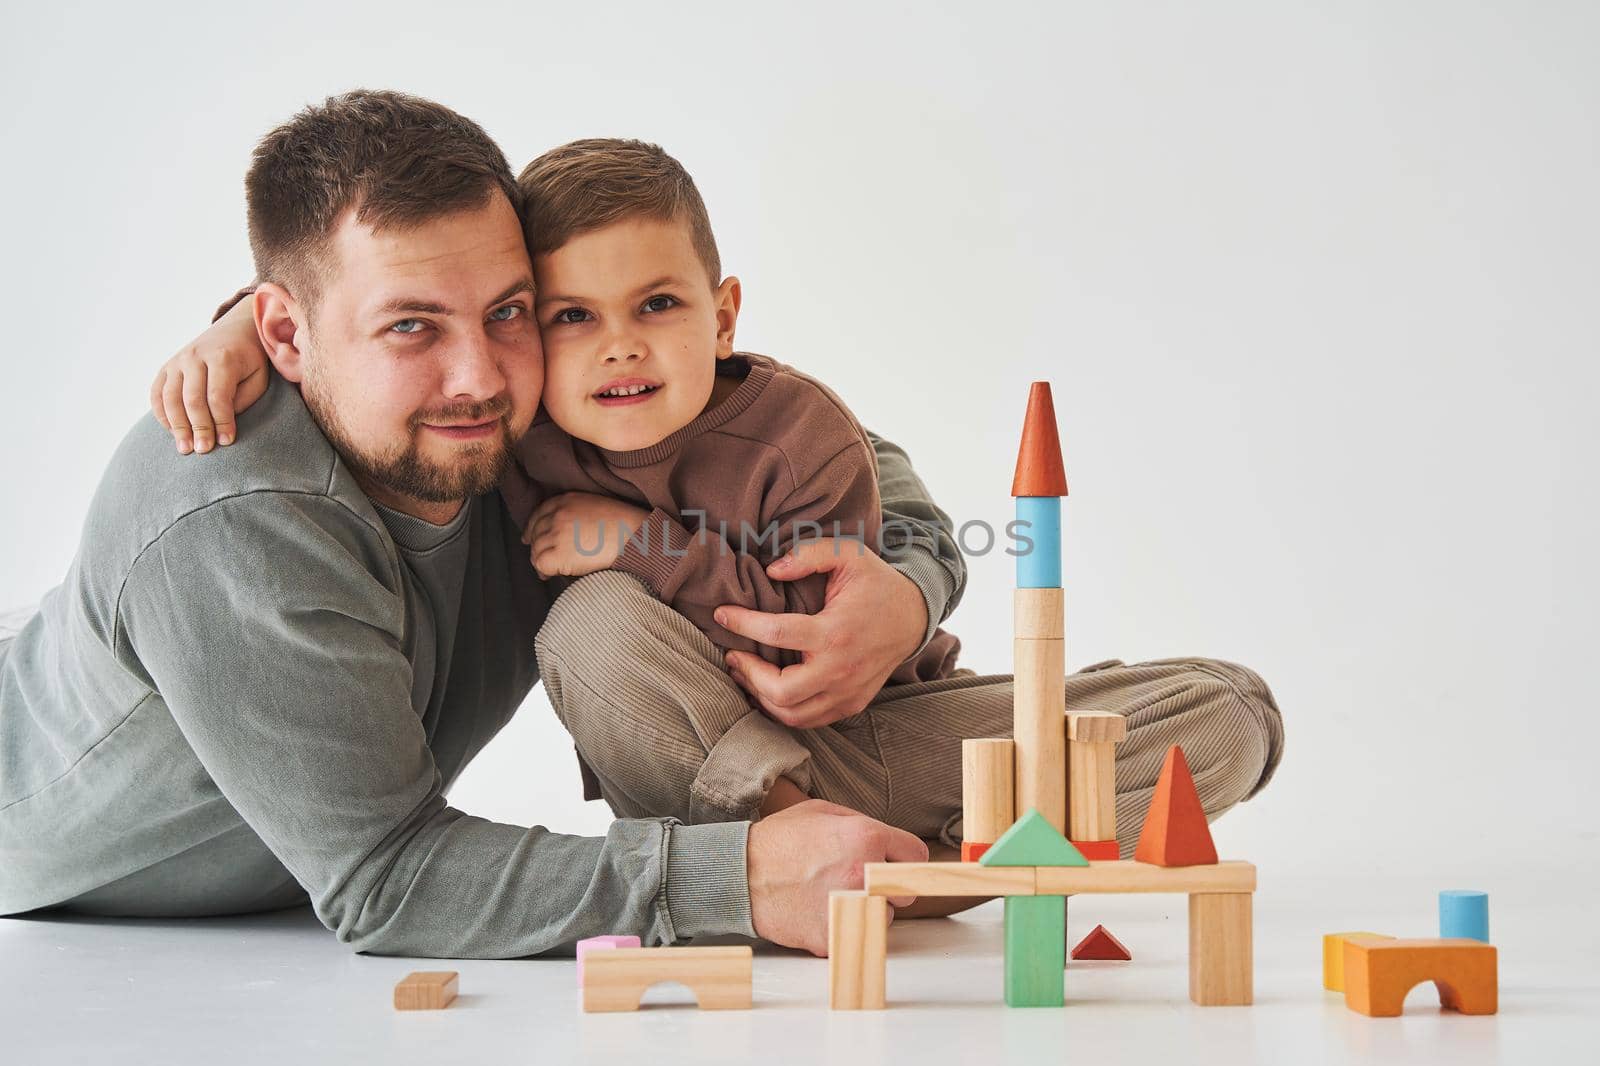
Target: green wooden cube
{"x":1036,"y":951}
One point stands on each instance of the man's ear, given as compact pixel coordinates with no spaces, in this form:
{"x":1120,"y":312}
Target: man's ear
{"x":727,"y":299}
{"x":281,"y":325}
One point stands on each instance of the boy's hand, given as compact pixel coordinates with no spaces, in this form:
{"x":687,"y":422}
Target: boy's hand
{"x":872,"y":619}
{"x":564,"y":524}
{"x":223,"y":371}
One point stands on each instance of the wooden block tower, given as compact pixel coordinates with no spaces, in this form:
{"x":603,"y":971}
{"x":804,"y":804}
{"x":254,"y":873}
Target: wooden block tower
{"x":1039,"y":720}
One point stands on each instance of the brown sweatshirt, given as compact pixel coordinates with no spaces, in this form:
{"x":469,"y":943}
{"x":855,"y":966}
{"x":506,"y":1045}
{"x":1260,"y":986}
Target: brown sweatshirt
{"x":780,"y":460}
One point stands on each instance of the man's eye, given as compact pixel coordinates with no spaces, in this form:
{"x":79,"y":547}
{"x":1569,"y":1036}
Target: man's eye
{"x":659,"y":303}
{"x":506,"y":313}
{"x":407,"y":326}
{"x":572,"y":315}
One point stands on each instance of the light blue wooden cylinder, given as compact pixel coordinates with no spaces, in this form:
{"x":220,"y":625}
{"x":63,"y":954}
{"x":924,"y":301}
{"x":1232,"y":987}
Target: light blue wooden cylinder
{"x":1038,"y":520}
{"x":1464,"y":913}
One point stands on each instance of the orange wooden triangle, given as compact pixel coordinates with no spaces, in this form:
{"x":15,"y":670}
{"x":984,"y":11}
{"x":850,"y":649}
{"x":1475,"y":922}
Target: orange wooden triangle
{"x":1100,"y":944}
{"x":1175,"y":831}
{"x":1039,"y":469}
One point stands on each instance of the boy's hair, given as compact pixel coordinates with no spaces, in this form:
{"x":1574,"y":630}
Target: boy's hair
{"x":594,"y":182}
{"x":399,"y":160}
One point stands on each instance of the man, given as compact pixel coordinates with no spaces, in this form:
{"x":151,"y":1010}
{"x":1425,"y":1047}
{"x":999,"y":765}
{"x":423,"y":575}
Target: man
{"x":266,"y":666}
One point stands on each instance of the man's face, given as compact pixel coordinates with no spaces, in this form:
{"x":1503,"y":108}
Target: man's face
{"x":422,"y":362}
{"x":632,"y":331}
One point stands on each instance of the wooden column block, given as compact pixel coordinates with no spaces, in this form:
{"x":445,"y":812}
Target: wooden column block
{"x":426,"y":990}
{"x":1039,"y":614}
{"x":1036,"y":951}
{"x":1221,"y":959}
{"x":719,"y":977}
{"x":1039,"y":728}
{"x":1092,"y":788}
{"x":857,"y":950}
{"x":988,"y":786}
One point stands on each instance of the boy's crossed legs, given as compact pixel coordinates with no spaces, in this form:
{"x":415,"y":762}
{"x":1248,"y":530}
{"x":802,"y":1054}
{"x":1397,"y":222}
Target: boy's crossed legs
{"x":667,"y":732}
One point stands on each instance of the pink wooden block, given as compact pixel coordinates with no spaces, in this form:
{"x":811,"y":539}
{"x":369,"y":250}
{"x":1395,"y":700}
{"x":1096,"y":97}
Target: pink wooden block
{"x":601,"y":943}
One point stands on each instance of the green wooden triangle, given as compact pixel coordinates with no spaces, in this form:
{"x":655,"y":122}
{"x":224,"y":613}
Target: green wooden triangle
{"x":1032,"y":841}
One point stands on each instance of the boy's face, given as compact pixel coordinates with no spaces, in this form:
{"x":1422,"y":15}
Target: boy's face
{"x":632,"y":330}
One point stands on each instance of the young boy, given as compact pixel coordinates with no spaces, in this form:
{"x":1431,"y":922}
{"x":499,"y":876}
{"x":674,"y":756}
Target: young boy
{"x":661,"y":452}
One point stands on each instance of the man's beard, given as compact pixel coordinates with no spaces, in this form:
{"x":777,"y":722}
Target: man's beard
{"x":403,"y":470}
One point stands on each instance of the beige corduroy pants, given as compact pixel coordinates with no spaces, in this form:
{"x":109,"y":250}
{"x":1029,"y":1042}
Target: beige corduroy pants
{"x":666,"y":732}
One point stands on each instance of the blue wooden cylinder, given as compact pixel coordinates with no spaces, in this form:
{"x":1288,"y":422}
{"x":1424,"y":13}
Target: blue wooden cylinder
{"x":1038,"y":520}
{"x":1464,"y":913}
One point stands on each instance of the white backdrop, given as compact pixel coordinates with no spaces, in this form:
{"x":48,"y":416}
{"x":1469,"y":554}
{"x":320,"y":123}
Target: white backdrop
{"x":1315,"y":284}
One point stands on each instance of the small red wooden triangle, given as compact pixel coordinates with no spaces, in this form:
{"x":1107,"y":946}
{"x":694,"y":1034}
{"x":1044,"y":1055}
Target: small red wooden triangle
{"x":1175,"y":831}
{"x":1100,"y":944}
{"x":1039,"y":468}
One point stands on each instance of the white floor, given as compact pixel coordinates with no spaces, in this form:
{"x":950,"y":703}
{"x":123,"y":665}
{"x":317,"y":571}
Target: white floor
{"x":279,"y":989}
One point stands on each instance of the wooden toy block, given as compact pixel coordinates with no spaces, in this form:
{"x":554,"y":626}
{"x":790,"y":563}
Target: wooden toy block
{"x":1039,"y":728}
{"x":1333,"y":957}
{"x":1036,"y":936}
{"x":1040,"y":471}
{"x":947,"y":879}
{"x":972,"y":851}
{"x":1175,"y":831}
{"x":719,"y":977}
{"x":857,"y":950}
{"x":1098,"y":850}
{"x":1097,"y":727}
{"x":1221,"y":958}
{"x":1101,"y":945}
{"x":1464,"y":914}
{"x":1091,"y":790}
{"x":988,"y":783}
{"x":1379,"y":973}
{"x":1039,"y":614}
{"x":600,"y":943}
{"x":1128,"y":876}
{"x":426,"y":990}
{"x":1038,"y":532}
{"x":1032,"y":841}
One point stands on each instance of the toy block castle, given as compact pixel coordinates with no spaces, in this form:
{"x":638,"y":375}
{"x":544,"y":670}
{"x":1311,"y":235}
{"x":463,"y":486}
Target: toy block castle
{"x":1039,"y":809}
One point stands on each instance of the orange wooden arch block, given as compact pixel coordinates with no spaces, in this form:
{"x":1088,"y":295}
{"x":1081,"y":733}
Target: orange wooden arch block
{"x":1100,"y":944}
{"x":1039,"y":468}
{"x":1379,"y":973}
{"x":1175,"y":831}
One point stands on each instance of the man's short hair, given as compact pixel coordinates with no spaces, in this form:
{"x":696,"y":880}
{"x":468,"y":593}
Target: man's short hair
{"x":398,"y":160}
{"x":594,"y":182}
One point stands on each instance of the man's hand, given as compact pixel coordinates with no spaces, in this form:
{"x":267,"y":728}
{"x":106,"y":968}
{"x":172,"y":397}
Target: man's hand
{"x":577,"y":533}
{"x":872,"y":619}
{"x":799,"y":855}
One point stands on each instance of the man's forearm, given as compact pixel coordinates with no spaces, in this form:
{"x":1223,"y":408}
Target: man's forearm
{"x":918,"y":535}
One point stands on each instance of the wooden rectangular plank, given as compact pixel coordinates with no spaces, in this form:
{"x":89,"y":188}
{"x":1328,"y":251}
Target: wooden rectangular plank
{"x":1125,"y":875}
{"x":947,"y":879}
{"x":857,"y":950}
{"x":426,"y":990}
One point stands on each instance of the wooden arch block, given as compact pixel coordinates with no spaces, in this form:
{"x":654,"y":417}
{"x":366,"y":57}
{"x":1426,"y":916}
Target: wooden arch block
{"x":1379,"y":973}
{"x":719,"y":977}
{"x":1175,"y":831}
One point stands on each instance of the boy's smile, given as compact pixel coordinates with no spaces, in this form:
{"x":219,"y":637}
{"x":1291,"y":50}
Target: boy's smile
{"x":633,"y":328}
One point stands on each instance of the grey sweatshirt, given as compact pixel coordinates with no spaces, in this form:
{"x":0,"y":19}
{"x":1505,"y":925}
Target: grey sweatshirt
{"x":255,"y":687}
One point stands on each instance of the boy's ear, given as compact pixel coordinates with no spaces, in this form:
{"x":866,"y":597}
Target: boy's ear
{"x":727,"y":299}
{"x":281,"y":324}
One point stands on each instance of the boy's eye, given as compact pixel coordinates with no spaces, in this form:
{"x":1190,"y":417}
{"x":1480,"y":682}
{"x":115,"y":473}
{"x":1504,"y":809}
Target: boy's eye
{"x":572,"y":315}
{"x":407,"y":325}
{"x":506,"y":313}
{"x":659,"y":303}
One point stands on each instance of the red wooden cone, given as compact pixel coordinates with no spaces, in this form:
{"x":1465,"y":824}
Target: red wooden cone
{"x":1039,"y":469}
{"x":1100,"y":944}
{"x":1175,"y":831}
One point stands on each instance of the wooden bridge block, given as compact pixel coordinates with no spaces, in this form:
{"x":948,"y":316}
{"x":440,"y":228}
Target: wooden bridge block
{"x":1221,"y":955}
{"x":600,"y":943}
{"x":719,"y":977}
{"x":858,"y":940}
{"x":1379,"y":973}
{"x":426,"y":990}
